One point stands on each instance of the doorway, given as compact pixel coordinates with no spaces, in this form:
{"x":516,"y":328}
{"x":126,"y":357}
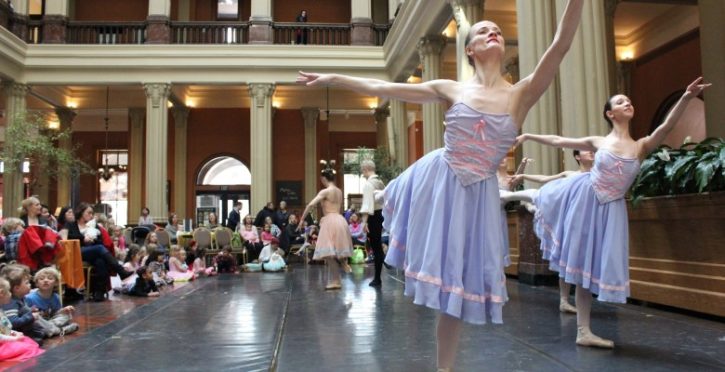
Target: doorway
{"x":221,"y":181}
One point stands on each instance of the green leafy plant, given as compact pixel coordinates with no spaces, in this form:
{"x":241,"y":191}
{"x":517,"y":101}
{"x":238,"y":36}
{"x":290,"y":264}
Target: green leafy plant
{"x":29,"y":138}
{"x":693,"y":168}
{"x":384,"y":166}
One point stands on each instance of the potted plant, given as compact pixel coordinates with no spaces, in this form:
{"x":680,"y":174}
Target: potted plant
{"x":677,"y":228}
{"x":28,"y":138}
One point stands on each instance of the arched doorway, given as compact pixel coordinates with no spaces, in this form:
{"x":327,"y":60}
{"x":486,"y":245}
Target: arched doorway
{"x":219,"y":183}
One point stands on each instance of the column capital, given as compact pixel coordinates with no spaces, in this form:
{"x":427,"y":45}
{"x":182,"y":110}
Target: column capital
{"x":310,"y":116}
{"x":181,"y":114}
{"x":431,"y":45}
{"x":15,"y":89}
{"x":381,"y":113}
{"x":260,"y":92}
{"x":65,"y":117}
{"x":158,"y":93}
{"x":471,"y":9}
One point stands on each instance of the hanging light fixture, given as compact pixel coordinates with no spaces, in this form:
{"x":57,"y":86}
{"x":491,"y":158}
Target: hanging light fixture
{"x":105,"y":171}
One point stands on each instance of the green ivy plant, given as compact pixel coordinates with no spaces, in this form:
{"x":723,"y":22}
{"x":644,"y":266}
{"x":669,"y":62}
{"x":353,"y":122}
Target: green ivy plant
{"x":29,"y":138}
{"x":693,"y":168}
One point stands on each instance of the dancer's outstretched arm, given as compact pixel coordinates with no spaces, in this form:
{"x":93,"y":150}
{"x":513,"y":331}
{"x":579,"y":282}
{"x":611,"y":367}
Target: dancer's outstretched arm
{"x":585,"y":143}
{"x":429,"y":91}
{"x":320,"y":196}
{"x":538,"y":178}
{"x":651,"y":142}
{"x":534,"y":85}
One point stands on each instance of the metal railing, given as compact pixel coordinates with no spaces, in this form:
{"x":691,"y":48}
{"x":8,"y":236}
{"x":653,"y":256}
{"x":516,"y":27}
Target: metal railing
{"x":380,"y":33}
{"x":84,"y":32}
{"x":35,"y":32}
{"x":209,"y":32}
{"x":311,"y":33}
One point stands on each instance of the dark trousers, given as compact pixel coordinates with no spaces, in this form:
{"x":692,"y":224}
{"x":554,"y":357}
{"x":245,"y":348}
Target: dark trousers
{"x":375,"y":228}
{"x":100,"y":258}
{"x":253,"y":249}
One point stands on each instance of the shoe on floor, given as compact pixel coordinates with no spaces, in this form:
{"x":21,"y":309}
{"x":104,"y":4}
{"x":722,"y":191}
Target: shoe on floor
{"x":70,"y":328}
{"x":585,"y":337}
{"x":566,"y":307}
{"x":376,"y":283}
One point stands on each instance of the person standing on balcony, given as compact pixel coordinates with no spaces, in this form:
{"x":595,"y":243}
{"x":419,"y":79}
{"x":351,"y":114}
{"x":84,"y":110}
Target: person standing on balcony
{"x":429,"y":209}
{"x":301,"y":32}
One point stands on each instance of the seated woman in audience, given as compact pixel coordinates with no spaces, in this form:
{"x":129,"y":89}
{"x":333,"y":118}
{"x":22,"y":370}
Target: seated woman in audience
{"x":145,"y":218}
{"x":45,"y":213}
{"x":14,"y":346}
{"x":172,"y":227}
{"x":93,"y":251}
{"x":30,"y":212}
{"x":64,"y":217}
{"x":356,"y":230}
{"x":178,"y":269}
{"x":251,"y":239}
{"x":212,"y":222}
{"x":144,"y":285}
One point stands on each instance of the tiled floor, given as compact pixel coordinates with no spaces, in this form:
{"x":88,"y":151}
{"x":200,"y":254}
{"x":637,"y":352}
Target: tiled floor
{"x":288,"y":322}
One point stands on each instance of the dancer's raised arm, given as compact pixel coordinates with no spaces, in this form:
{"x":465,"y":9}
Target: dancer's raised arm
{"x":535,"y":85}
{"x":429,"y":91}
{"x":585,"y":143}
{"x":320,"y":196}
{"x":651,"y":142}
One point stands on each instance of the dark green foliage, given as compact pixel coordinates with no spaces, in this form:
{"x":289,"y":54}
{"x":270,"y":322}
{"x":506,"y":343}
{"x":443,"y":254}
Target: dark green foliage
{"x":693,"y":168}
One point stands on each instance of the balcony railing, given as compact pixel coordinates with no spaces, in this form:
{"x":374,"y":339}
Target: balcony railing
{"x":195,"y":32}
{"x":311,"y":33}
{"x":82,"y":32}
{"x":209,"y":33}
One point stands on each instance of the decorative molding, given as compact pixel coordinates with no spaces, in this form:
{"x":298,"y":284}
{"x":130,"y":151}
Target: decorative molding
{"x":660,"y":31}
{"x":261,"y":93}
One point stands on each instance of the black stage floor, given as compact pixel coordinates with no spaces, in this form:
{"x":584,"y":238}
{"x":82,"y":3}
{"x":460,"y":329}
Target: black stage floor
{"x":288,"y":322}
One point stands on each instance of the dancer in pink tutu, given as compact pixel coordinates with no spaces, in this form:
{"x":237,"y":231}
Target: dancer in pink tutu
{"x":334,"y":243}
{"x":582,"y":220}
{"x":430,"y":208}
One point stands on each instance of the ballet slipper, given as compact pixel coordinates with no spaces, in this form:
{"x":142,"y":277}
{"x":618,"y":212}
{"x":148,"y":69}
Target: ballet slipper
{"x":585,"y":337}
{"x":566,"y":307}
{"x":444,"y":370}
{"x":346,"y":266}
{"x":333,"y":286}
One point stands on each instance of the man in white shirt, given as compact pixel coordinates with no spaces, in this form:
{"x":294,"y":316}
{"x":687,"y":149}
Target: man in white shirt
{"x":372,"y":216}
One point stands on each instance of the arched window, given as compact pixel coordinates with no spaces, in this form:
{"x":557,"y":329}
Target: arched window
{"x":224,"y":170}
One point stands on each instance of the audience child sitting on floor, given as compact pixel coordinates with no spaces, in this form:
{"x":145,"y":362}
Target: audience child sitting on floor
{"x":156,"y":265}
{"x":131,"y":264}
{"x":196,"y":261}
{"x":12,"y":230}
{"x":178,"y":269}
{"x":144,"y":286}
{"x":54,"y":319}
{"x":225,"y":262}
{"x":14,"y":346}
{"x":22,"y":317}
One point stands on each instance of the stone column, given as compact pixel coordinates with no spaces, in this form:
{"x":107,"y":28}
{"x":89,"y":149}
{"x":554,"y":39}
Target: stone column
{"x":158,"y":29}
{"x":399,"y":132}
{"x":54,"y":21}
{"x":362,"y":22}
{"x":15,"y":107}
{"x":157,"y":128}
{"x":135,"y":163}
{"x":310,"y":116}
{"x":181,"y":116}
{"x":466,"y":14}
{"x":584,"y":77}
{"x":430,"y":48}
{"x":260,"y":23}
{"x":381,"y":126}
{"x":536,"y":31}
{"x":63,"y":188}
{"x":261,"y":144}
{"x":20,"y":18}
{"x":610,"y":8}
{"x":392,"y":8}
{"x":712,"y":46}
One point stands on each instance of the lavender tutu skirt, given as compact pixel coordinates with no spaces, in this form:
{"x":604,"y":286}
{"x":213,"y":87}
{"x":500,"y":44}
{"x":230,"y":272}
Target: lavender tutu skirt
{"x":448,"y":239}
{"x":586,"y":241}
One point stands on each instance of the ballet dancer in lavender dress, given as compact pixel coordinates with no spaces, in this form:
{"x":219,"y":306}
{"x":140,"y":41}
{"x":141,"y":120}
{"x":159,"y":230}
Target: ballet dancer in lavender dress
{"x":582,"y":222}
{"x":430,"y":208}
